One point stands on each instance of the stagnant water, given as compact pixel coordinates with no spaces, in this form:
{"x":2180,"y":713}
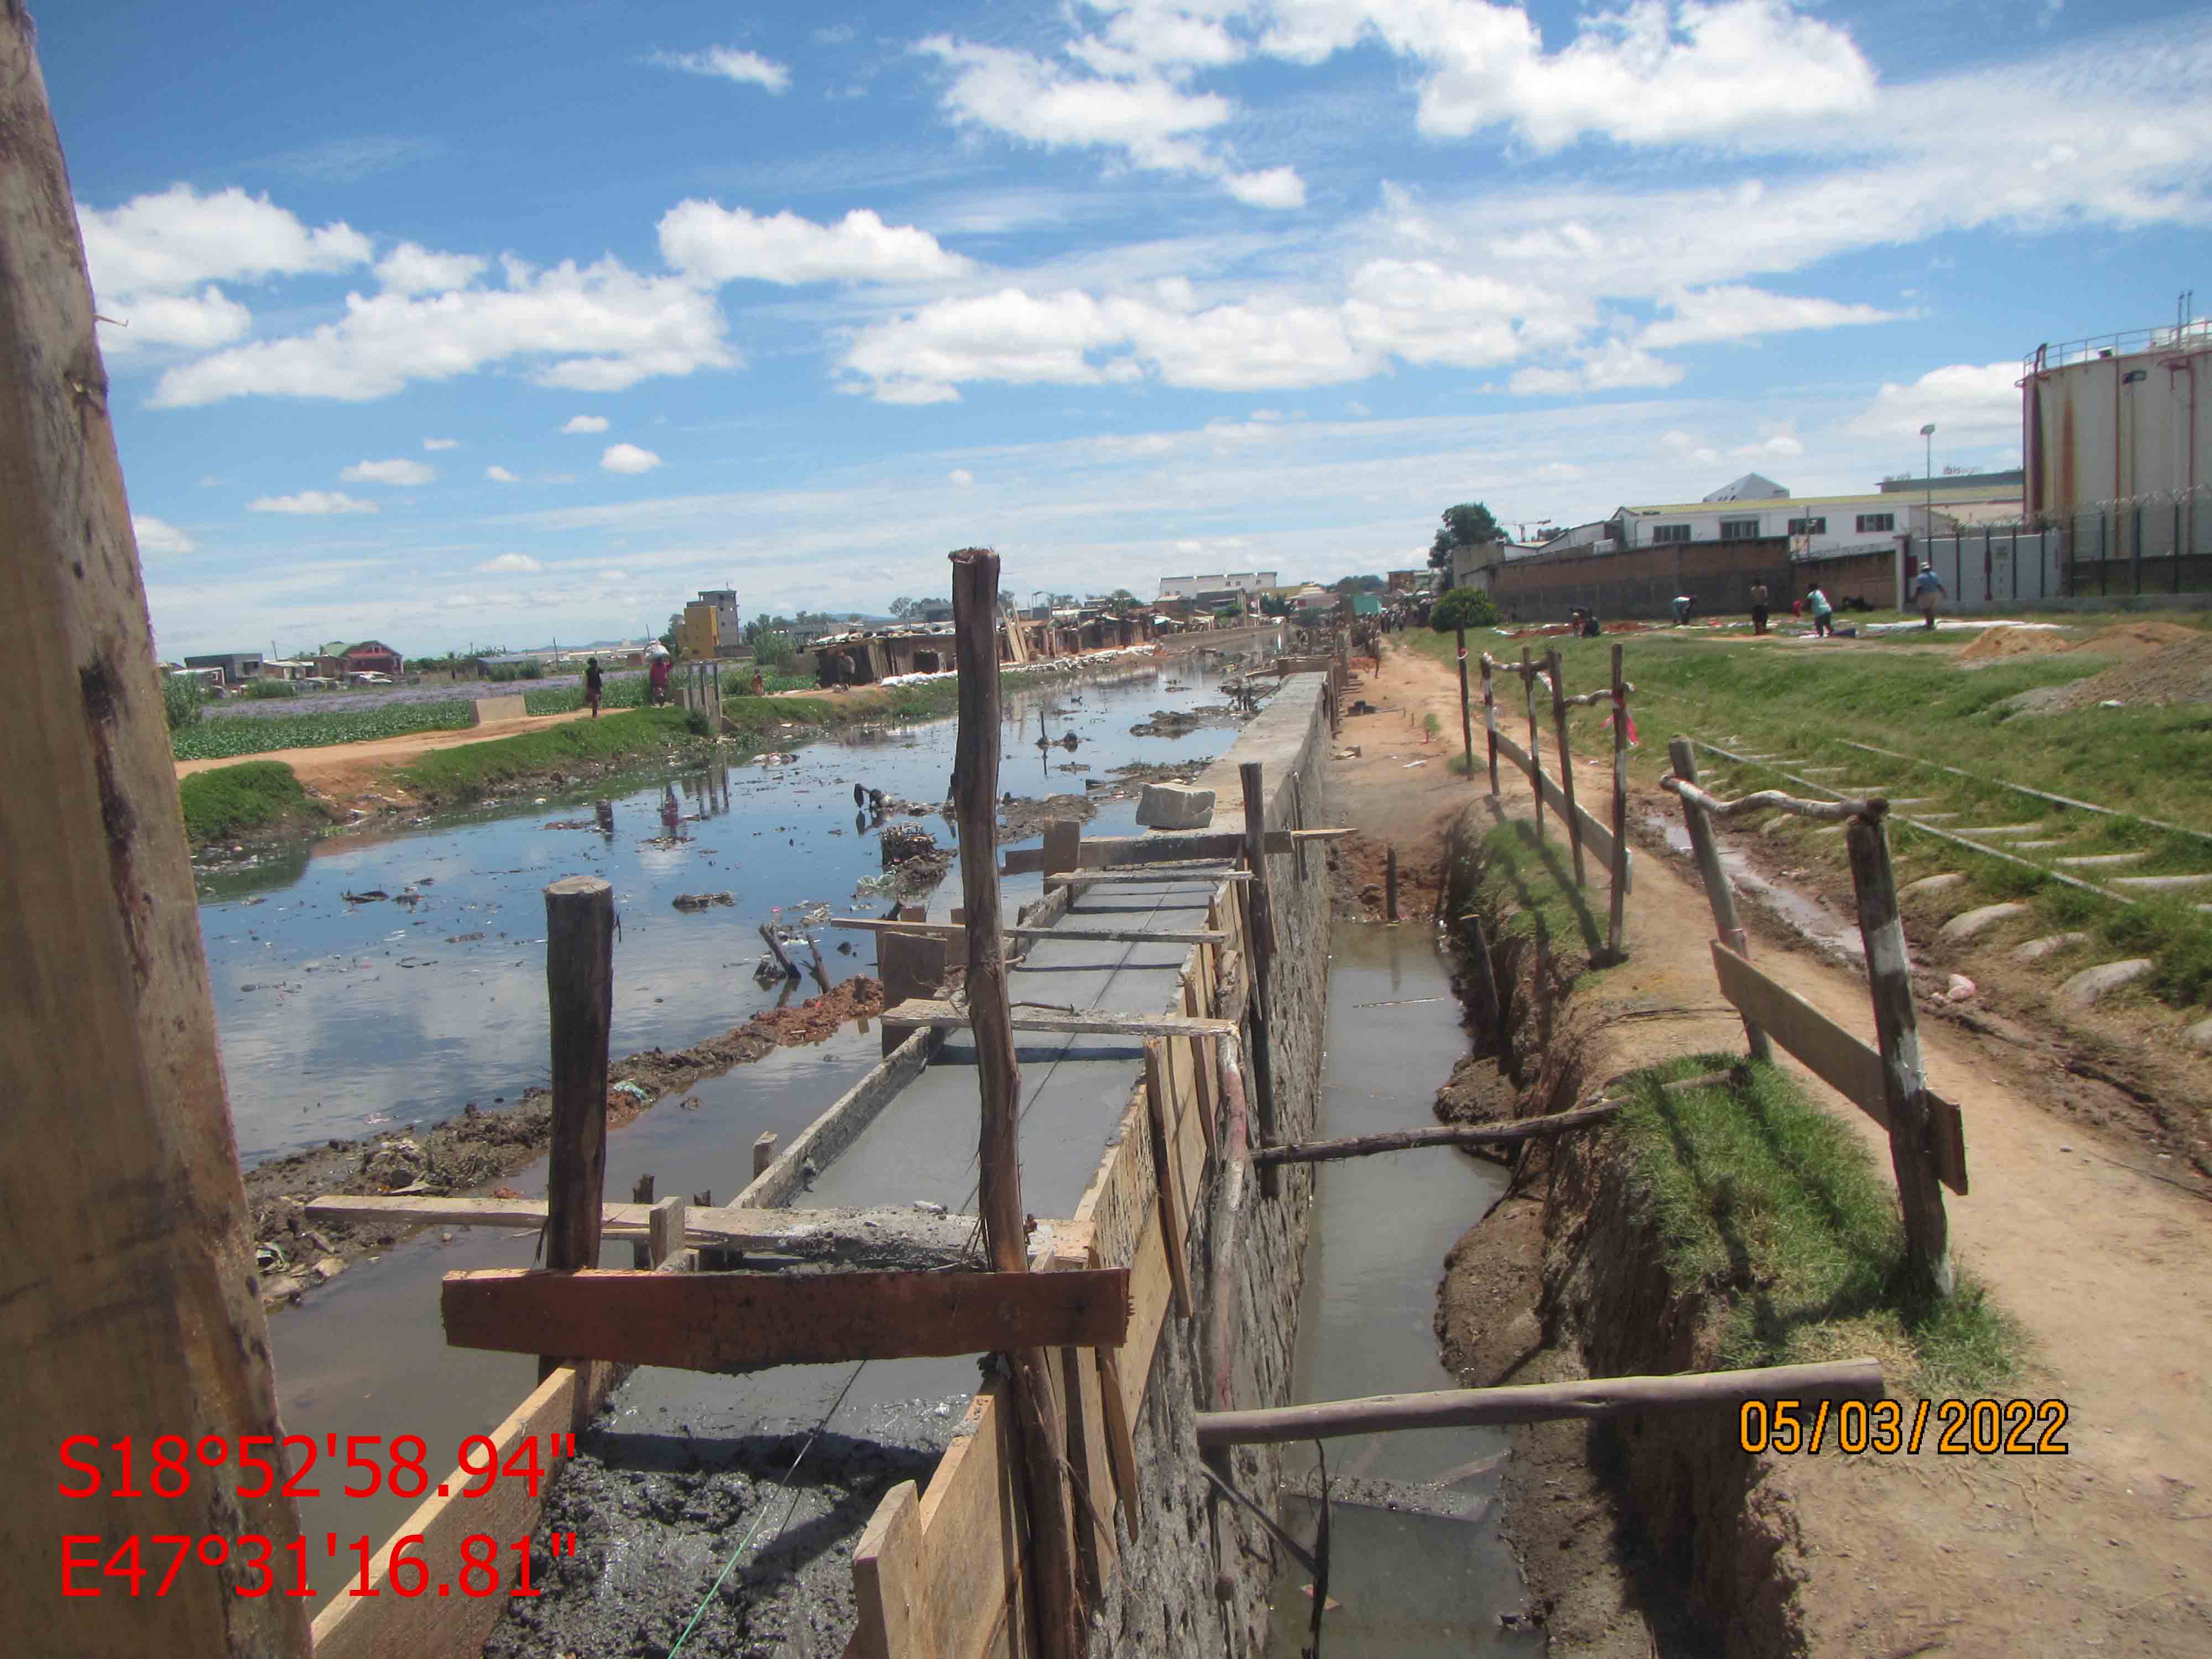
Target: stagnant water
{"x":340,"y":1018}
{"x":1409,"y":1583}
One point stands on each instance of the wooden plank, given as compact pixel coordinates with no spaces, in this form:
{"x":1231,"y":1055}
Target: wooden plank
{"x":1103,"y":935}
{"x":1159,"y":875}
{"x":1201,"y":1059}
{"x":743,"y":1320}
{"x":944,"y":1016}
{"x":666,"y":1230}
{"x":1839,"y":1059}
{"x":1616,"y":926}
{"x":1173,"y":1216}
{"x":1092,"y":1476}
{"x":823,"y":1141}
{"x":1121,"y":1439}
{"x":887,"y":1576}
{"x":1108,"y":852}
{"x":1569,"y":813}
{"x":975,"y":1528}
{"x":1539,"y":1402}
{"x":131,"y":1305}
{"x":1599,"y":838}
{"x":1263,"y":941}
{"x":1719,"y":894}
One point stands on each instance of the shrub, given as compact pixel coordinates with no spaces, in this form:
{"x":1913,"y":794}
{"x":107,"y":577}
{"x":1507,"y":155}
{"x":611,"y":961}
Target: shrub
{"x":230,"y":800}
{"x":499,"y":673}
{"x":1463,"y":607}
{"x":182,"y":700}
{"x":262,"y":690}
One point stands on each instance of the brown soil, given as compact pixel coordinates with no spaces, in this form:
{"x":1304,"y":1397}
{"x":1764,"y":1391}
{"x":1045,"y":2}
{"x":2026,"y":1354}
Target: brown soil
{"x":1020,"y":819}
{"x":2077,"y":1228}
{"x":1995,"y":642}
{"x":2137,"y":638}
{"x":345,"y":771}
{"x":2180,"y":672}
{"x":468,"y":1153}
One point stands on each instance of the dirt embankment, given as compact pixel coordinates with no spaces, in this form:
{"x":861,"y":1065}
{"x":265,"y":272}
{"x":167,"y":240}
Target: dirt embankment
{"x":476,"y":1148}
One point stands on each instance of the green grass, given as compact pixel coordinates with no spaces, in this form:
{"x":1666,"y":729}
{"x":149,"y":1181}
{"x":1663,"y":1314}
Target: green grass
{"x":1807,"y":702}
{"x":471,"y":769}
{"x":242,"y":799}
{"x":219,"y":739}
{"x":1776,"y":1210}
{"x":1533,"y":886}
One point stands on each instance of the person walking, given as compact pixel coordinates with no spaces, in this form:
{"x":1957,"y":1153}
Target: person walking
{"x":657,"y":678}
{"x":1925,"y":586}
{"x":1817,"y":603}
{"x":593,"y":684}
{"x":1759,"y":607}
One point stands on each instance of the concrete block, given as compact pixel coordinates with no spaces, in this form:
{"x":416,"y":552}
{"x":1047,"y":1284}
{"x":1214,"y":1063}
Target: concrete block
{"x":2036,"y":949}
{"x":1172,"y":806}
{"x":1981,"y":920}
{"x":2092,"y":983}
{"x":1929,"y":885}
{"x":2200,"y":1034}
{"x":489,"y":710}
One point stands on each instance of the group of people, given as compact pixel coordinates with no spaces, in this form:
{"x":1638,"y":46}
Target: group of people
{"x":656,"y":681}
{"x":1927,"y":591}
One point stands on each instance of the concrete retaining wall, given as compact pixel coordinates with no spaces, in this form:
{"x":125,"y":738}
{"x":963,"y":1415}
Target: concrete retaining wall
{"x":1162,"y":1601}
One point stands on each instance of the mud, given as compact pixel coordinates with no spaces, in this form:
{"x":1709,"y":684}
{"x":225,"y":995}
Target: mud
{"x":1021,"y":818}
{"x":1177,"y":723}
{"x":482,"y":1145}
{"x":1162,"y":772}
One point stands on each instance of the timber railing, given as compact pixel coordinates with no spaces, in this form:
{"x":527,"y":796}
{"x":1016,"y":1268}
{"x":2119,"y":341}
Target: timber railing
{"x":1927,"y":1134}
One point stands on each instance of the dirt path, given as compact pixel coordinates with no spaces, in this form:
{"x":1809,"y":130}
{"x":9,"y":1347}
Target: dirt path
{"x":343,"y":771}
{"x":2093,"y":1243}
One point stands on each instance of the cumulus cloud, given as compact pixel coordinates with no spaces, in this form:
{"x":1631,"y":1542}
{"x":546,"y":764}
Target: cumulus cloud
{"x":511,"y":561}
{"x":441,"y":443}
{"x":501,"y":474}
{"x":312,"y":502}
{"x":390,"y":473}
{"x":722,"y":245}
{"x":593,"y":328}
{"x":627,"y":458}
{"x":412,"y":269}
{"x":1611,"y":365}
{"x":729,"y":63}
{"x":962,"y":476}
{"x":586,"y":423}
{"x":1966,"y":401}
{"x":1136,"y":108}
{"x":157,"y":536}
{"x":1737,"y":312}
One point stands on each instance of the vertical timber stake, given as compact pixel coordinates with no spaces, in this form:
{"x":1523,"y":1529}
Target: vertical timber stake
{"x":1616,"y":927}
{"x":1566,"y":759}
{"x":1489,"y":721}
{"x":1897,"y":1033}
{"x":1390,"y":884}
{"x":1466,"y":716}
{"x":1718,"y":893}
{"x":991,"y":1021}
{"x":1536,"y":739}
{"x":131,"y":1301}
{"x":579,"y":988}
{"x":1263,"y":960}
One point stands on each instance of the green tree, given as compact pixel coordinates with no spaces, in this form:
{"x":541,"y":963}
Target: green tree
{"x":903,"y":606}
{"x":182,"y":695}
{"x":1463,"y":607}
{"x":1359,"y":585}
{"x":1467,"y":524}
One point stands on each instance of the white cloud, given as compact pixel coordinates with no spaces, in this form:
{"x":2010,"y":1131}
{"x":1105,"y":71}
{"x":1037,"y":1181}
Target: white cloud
{"x":629,"y":457}
{"x":837,"y":34}
{"x":731,"y":63}
{"x":586,"y":423}
{"x":156,"y":536}
{"x":1655,"y":71}
{"x":1737,"y":312}
{"x":1968,"y":401}
{"x":441,"y":443}
{"x":390,"y":473}
{"x":1611,"y":365}
{"x":1136,"y":107}
{"x":311,"y":501}
{"x":178,"y":240}
{"x":198,"y":322}
{"x":412,"y":269}
{"x":723,"y":245}
{"x":511,"y":561}
{"x":594,"y":328}
{"x":1780,"y":445}
{"x":962,"y":476}
{"x":501,"y":474}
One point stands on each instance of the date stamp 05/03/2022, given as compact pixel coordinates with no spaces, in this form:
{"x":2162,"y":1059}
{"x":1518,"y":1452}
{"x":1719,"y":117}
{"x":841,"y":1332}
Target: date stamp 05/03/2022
{"x":1952,"y":1427}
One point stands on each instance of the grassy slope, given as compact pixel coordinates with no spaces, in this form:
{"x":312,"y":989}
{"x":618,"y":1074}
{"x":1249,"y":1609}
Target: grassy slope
{"x":448,"y":775}
{"x":253,"y":797}
{"x":1804,"y":700}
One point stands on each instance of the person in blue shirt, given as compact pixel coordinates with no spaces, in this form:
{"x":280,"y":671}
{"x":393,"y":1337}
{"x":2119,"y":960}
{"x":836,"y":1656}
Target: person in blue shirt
{"x":1925,"y":586}
{"x":1817,"y":603}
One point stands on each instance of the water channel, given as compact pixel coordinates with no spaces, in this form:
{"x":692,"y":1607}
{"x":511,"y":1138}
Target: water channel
{"x":1431,"y":1578}
{"x":341,"y":1018}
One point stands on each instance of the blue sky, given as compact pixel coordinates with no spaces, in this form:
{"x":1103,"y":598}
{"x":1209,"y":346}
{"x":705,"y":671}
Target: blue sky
{"x":478,"y":324}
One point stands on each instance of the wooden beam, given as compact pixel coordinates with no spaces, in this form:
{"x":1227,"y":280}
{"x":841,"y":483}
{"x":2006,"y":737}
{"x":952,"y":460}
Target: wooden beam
{"x":1100,"y":935}
{"x":823,"y":1141}
{"x":1599,"y":838}
{"x":666,"y":1229}
{"x":945,"y":1015}
{"x":580,"y":947}
{"x":1719,"y":894}
{"x":1539,"y":1402}
{"x":1536,"y":768}
{"x":1490,"y":720}
{"x":1574,"y":818}
{"x":1158,"y":875}
{"x":887,"y":1576}
{"x":1110,"y":852}
{"x":130,"y":1301}
{"x":1263,"y":942}
{"x":1173,"y":1214}
{"x":1466,"y":716}
{"x":741,"y":1322}
{"x":1839,"y":1059}
{"x":1616,"y":924}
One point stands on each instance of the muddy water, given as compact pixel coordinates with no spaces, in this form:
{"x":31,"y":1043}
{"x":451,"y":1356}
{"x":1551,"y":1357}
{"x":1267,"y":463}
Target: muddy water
{"x":1410,"y":1583}
{"x":339,"y":1017}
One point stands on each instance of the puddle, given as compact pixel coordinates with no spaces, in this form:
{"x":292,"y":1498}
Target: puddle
{"x":1410,"y":1583}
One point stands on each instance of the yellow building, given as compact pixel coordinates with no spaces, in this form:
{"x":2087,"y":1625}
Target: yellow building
{"x":699,"y":635}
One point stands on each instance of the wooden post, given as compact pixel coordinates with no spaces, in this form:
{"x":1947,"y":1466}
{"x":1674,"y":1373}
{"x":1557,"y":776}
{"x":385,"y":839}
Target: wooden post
{"x":975,"y":607}
{"x":580,"y":952}
{"x":763,"y":1153}
{"x":1897,"y":1032}
{"x":1227,"y":1219}
{"x":1466,"y":716}
{"x":1487,"y":1005}
{"x":1718,"y":893}
{"x":1390,"y":883}
{"x":1535,"y":740}
{"x":664,"y":1225}
{"x":1263,"y":952}
{"x":640,"y":1250}
{"x":1489,"y":721}
{"x":1566,"y":759}
{"x":1616,"y":927}
{"x":1173,"y":1217}
{"x":132,"y":1307}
